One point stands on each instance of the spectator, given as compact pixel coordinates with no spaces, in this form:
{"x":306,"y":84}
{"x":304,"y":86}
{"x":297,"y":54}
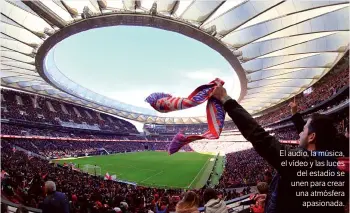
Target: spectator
{"x":213,"y":204}
{"x":257,"y":201}
{"x":188,"y":204}
{"x":124,"y":207}
{"x":55,"y":201}
{"x":318,"y":135}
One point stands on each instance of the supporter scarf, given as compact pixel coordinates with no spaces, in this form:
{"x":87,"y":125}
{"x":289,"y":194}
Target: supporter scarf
{"x":215,"y":112}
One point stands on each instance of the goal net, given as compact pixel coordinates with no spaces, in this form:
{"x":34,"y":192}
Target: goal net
{"x":92,"y":169}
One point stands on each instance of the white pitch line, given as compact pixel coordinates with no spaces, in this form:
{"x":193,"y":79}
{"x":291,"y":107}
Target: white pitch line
{"x":151,"y":176}
{"x":204,"y":166}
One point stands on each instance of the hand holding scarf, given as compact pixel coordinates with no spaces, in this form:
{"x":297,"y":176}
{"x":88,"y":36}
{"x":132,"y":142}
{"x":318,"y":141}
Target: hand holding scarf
{"x":215,"y":112}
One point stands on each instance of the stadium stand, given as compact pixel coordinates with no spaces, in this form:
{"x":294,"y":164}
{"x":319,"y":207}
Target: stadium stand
{"x":334,"y":81}
{"x":23,"y":112}
{"x":26,"y":107}
{"x":300,"y":39}
{"x":26,"y":175}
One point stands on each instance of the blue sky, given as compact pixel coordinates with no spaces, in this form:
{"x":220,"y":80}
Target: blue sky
{"x":128,"y":63}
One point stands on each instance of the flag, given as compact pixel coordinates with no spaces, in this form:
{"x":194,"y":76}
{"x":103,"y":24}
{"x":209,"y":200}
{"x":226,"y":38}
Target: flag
{"x":110,"y":177}
{"x":75,"y":169}
{"x":215,"y":112}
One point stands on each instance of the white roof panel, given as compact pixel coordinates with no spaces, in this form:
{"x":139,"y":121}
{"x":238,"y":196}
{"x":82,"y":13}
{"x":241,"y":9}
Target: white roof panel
{"x":17,"y":56}
{"x":297,"y":73}
{"x":17,"y":71}
{"x":284,"y":46}
{"x":80,"y":4}
{"x":22,"y":17}
{"x":242,"y":37}
{"x":13,"y":63}
{"x":16,"y":46}
{"x":322,"y":60}
{"x":200,"y":10}
{"x":20,"y":34}
{"x":54,"y":7}
{"x":288,"y":7}
{"x":264,"y":63}
{"x":183,"y":7}
{"x":239,"y":15}
{"x":262,"y":48}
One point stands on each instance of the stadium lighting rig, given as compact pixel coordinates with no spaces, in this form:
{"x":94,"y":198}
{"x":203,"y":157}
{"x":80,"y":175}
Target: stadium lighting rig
{"x":153,"y":10}
{"x":212,"y":30}
{"x":87,"y":13}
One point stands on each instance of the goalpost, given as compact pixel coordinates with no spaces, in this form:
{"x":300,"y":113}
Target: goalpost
{"x":92,"y":169}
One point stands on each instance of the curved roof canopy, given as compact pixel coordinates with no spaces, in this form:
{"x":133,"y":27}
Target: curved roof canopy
{"x":283,"y":47}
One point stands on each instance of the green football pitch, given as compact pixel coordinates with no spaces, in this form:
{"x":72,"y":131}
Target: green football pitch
{"x":158,"y":169}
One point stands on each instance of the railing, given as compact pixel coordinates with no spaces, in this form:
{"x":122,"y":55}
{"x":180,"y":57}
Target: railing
{"x":233,"y":205}
{"x":12,"y":207}
{"x":330,"y":111}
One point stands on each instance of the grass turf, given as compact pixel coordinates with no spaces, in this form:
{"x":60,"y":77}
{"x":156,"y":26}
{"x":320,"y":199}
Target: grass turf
{"x":181,"y":170}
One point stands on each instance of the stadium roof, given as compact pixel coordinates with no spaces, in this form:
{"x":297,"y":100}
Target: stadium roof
{"x":278,"y":48}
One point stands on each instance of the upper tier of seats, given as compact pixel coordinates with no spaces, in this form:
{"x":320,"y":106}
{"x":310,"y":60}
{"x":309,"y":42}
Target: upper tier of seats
{"x":23,"y":106}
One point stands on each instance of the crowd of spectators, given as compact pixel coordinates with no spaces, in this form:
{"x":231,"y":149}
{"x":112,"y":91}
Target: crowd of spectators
{"x":174,"y":129}
{"x":193,"y":129}
{"x":26,"y":177}
{"x":288,"y":133}
{"x":10,"y":129}
{"x":322,"y":90}
{"x":243,"y":168}
{"x":59,"y":148}
{"x":22,"y":106}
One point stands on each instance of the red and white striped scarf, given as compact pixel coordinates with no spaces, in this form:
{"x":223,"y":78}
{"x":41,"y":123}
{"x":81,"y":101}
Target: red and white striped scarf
{"x":215,"y":112}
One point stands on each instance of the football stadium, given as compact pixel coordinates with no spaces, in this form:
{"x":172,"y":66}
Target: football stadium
{"x":174,"y":106}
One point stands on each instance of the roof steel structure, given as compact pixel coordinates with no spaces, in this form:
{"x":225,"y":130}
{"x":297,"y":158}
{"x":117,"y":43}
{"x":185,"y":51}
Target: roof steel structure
{"x":278,"y":48}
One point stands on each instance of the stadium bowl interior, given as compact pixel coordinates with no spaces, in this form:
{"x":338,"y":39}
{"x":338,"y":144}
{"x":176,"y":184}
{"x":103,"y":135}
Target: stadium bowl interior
{"x":280,"y":51}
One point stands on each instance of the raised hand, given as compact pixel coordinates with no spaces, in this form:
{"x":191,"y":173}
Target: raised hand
{"x":293,"y":107}
{"x":219,"y":93}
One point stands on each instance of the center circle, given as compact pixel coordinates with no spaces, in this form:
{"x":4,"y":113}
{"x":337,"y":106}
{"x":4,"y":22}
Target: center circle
{"x":127,"y":63}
